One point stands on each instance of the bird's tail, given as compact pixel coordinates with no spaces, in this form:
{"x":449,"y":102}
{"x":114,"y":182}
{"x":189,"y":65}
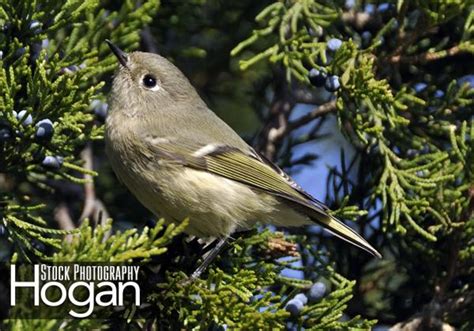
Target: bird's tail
{"x":344,"y":232}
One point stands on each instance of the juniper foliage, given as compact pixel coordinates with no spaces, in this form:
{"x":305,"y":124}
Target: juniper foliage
{"x":52,"y":66}
{"x":406,"y":107}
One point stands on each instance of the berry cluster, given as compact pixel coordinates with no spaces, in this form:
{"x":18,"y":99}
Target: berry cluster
{"x":43,"y":133}
{"x":315,"y":293}
{"x":320,"y":78}
{"x":52,"y":162}
{"x":35,"y":28}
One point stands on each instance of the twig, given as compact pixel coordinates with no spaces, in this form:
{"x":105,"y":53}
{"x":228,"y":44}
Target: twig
{"x":301,"y":93}
{"x":63,"y":217}
{"x":428,"y":56}
{"x":101,"y":214}
{"x":148,"y":40}
{"x":89,"y":190}
{"x":360,"y":20}
{"x":275,"y":134}
{"x":418,"y":323}
{"x":281,"y":109}
{"x":317,"y":112}
{"x":404,"y":40}
{"x":93,"y":207}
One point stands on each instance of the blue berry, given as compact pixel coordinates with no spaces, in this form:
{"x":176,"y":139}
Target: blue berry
{"x":5,"y":133}
{"x":316,"y":292}
{"x":383,"y":7}
{"x":317,"y":77}
{"x":294,"y":307}
{"x":52,"y":162}
{"x":315,"y":33}
{"x":65,"y":70}
{"x":24,"y":117}
{"x":37,"y":47}
{"x":100,"y":109}
{"x":349,"y":4}
{"x":6,"y":26}
{"x":44,"y":129}
{"x":1,"y":55}
{"x":291,"y":326}
{"x":381,"y":40}
{"x":35,"y":50}
{"x":395,"y":25}
{"x":369,"y":8}
{"x":366,"y":35}
{"x":332,"y":84}
{"x":467,"y":79}
{"x":439,"y":94}
{"x":19,"y":52}
{"x":219,"y":327}
{"x":69,"y":70}
{"x":301,"y":297}
{"x":35,"y":26}
{"x":419,"y":87}
{"x":38,"y":245}
{"x":334,"y":44}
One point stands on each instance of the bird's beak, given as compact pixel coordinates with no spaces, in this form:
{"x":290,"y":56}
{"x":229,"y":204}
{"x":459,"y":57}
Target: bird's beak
{"x":121,"y":55}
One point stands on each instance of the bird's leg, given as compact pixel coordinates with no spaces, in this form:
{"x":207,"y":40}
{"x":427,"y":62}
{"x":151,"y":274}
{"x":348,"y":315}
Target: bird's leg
{"x":207,"y":260}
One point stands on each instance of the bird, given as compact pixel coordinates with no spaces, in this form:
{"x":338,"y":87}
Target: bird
{"x":180,"y":160}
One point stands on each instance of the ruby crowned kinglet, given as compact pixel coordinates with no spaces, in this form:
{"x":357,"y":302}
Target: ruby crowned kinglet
{"x":180,"y":160}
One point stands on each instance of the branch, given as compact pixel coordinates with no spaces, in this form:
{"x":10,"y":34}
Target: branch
{"x":93,"y":207}
{"x":428,"y":56}
{"x":360,"y":20}
{"x":280,"y":109}
{"x":317,"y":112}
{"x":276,"y":133}
{"x":63,"y":217}
{"x":148,"y":40}
{"x":89,"y":190}
{"x":418,"y":323}
{"x":301,"y":93}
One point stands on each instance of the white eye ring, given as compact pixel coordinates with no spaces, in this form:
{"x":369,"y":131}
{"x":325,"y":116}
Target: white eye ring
{"x":150,"y":82}
{"x":156,"y":88}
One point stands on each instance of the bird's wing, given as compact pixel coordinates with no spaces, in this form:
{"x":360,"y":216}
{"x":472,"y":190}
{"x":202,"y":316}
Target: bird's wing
{"x":291,"y":182}
{"x":249,"y":168}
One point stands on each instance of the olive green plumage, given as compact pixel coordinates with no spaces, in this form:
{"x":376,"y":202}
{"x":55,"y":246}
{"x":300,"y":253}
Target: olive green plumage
{"x":180,"y":160}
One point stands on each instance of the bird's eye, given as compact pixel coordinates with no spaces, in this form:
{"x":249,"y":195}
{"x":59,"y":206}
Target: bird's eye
{"x":149,"y":81}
